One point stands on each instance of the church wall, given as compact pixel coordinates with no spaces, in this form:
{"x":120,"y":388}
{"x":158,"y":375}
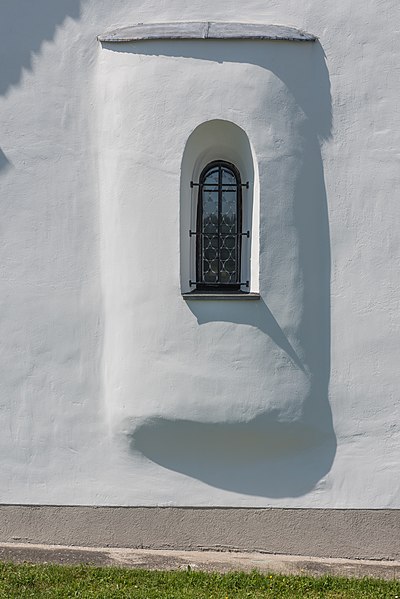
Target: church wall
{"x":115,"y":389}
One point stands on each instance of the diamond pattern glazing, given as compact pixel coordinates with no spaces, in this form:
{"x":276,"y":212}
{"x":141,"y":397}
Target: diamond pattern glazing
{"x":219,"y":236}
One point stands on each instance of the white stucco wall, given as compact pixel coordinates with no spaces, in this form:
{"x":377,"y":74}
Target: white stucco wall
{"x":114,"y":390}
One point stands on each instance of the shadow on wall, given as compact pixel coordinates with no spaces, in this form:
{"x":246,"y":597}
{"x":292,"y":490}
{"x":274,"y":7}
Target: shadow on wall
{"x":261,"y":457}
{"x":268,"y":456}
{"x":4,"y":162}
{"x":24,"y":26}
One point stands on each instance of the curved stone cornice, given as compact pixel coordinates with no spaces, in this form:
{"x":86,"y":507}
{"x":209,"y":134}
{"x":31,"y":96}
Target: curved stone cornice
{"x":204,"y":30}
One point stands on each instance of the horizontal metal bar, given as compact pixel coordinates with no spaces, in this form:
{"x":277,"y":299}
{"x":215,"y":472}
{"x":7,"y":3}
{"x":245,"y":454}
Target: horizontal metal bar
{"x":195,"y":233}
{"x":246,"y":185}
{"x":225,"y":285}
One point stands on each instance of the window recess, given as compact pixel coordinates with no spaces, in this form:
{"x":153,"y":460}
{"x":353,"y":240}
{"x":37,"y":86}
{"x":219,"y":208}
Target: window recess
{"x":219,"y":236}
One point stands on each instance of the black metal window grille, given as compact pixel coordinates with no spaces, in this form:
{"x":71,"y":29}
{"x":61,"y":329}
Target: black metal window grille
{"x":219,"y":228}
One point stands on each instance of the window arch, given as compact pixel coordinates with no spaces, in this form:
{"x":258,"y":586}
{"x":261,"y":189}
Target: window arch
{"x":219,"y":228}
{"x":212,"y":142}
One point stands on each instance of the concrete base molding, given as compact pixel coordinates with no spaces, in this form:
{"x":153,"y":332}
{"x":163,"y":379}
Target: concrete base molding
{"x":363,"y":534}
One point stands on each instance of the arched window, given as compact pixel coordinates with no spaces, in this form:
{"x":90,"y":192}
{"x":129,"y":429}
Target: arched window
{"x":219,"y":228}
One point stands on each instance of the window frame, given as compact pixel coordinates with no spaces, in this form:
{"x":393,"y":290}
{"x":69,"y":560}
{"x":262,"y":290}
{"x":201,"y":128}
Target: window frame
{"x":205,"y":286}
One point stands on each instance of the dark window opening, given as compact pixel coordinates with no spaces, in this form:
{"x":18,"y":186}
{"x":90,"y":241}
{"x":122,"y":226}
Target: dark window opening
{"x":219,"y":228}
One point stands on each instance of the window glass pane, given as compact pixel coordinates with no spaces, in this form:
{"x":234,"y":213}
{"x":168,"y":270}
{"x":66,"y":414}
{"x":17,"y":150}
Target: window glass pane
{"x":218,"y":241}
{"x":210,"y":212}
{"x":212,"y":178}
{"x":228,"y":178}
{"x":228,"y":213}
{"x":210,"y":234}
{"x":228,"y":227}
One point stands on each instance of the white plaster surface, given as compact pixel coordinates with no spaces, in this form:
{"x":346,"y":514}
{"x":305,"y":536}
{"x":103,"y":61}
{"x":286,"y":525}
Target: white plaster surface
{"x":114,"y":390}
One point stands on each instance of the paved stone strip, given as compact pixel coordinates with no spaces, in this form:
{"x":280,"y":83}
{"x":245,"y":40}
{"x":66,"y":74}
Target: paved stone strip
{"x":208,"y":561}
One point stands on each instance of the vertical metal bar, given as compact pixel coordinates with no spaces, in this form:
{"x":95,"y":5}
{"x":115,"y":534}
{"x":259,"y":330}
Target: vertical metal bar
{"x":199,"y":238}
{"x":238,"y":230}
{"x":219,"y":219}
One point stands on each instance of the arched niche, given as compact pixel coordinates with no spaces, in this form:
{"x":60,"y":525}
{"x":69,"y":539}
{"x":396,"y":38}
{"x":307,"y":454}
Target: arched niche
{"x":219,"y":140}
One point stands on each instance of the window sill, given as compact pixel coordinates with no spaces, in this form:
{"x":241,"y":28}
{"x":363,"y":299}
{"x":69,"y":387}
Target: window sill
{"x":209,"y":295}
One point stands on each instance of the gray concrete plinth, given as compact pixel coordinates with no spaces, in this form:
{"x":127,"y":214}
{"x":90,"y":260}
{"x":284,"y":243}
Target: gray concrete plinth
{"x":359,"y":534}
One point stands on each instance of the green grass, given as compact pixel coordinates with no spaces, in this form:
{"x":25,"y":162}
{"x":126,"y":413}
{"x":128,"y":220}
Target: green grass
{"x":108,"y":583}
